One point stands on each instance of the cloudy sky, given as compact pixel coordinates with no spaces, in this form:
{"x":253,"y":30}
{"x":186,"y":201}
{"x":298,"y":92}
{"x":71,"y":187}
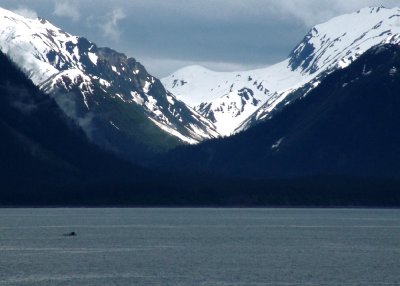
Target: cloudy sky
{"x":168,"y":34}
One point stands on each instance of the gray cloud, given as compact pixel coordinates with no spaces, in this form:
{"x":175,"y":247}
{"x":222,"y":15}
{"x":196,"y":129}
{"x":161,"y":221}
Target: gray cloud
{"x":220,"y":34}
{"x":68,"y":103}
{"x":67,"y":8}
{"x":165,"y":66}
{"x":312,"y":12}
{"x":110,"y":27}
{"x":25,"y":12}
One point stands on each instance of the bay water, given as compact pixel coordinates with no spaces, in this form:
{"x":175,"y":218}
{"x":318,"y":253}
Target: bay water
{"x":200,"y":247}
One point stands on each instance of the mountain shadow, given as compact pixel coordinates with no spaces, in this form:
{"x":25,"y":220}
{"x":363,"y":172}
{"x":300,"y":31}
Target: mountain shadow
{"x":46,"y":160}
{"x":347,"y":126}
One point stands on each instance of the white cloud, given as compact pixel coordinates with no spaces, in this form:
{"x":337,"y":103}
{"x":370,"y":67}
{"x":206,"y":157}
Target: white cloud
{"x":111,"y":27}
{"x":161,"y":67}
{"x":68,"y":9}
{"x":25,"y":12}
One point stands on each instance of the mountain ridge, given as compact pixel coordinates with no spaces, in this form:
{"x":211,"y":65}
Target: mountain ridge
{"x":326,"y":48}
{"x":346,"y":126}
{"x":337,"y":146}
{"x":59,"y":63}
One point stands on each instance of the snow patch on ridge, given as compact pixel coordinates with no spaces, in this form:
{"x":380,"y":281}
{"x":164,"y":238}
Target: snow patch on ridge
{"x":137,"y":98}
{"x":93,"y":58}
{"x":174,"y":132}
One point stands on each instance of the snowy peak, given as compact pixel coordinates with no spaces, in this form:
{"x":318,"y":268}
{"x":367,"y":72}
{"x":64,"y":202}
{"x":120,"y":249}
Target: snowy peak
{"x":327,"y":47}
{"x":226,"y":98}
{"x":61,"y":63}
{"x":224,"y":111}
{"x":28,"y":42}
{"x":338,"y":42}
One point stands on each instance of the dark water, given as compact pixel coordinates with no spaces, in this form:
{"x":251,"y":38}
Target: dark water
{"x":199,"y":247}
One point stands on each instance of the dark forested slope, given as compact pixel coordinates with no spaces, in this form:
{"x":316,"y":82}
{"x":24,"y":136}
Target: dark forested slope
{"x":348,"y":126}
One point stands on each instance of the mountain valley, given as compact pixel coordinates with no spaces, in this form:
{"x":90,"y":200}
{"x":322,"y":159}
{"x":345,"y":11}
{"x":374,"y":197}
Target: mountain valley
{"x":86,"y":125}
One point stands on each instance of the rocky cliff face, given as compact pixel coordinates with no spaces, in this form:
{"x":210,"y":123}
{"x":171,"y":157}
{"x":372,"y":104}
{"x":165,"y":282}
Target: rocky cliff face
{"x":115,"y":100}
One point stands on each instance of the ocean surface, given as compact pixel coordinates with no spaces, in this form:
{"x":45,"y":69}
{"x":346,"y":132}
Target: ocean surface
{"x":207,"y":247}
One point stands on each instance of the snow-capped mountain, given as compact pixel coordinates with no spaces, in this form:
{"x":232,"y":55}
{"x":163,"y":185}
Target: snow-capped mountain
{"x":345,"y":127}
{"x":110,"y":95}
{"x":327,"y":47}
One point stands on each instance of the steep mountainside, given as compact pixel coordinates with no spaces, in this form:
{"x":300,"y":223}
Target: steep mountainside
{"x":46,"y":160}
{"x":112,"y":97}
{"x":237,"y":100}
{"x":42,"y":151}
{"x":348,"y":125}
